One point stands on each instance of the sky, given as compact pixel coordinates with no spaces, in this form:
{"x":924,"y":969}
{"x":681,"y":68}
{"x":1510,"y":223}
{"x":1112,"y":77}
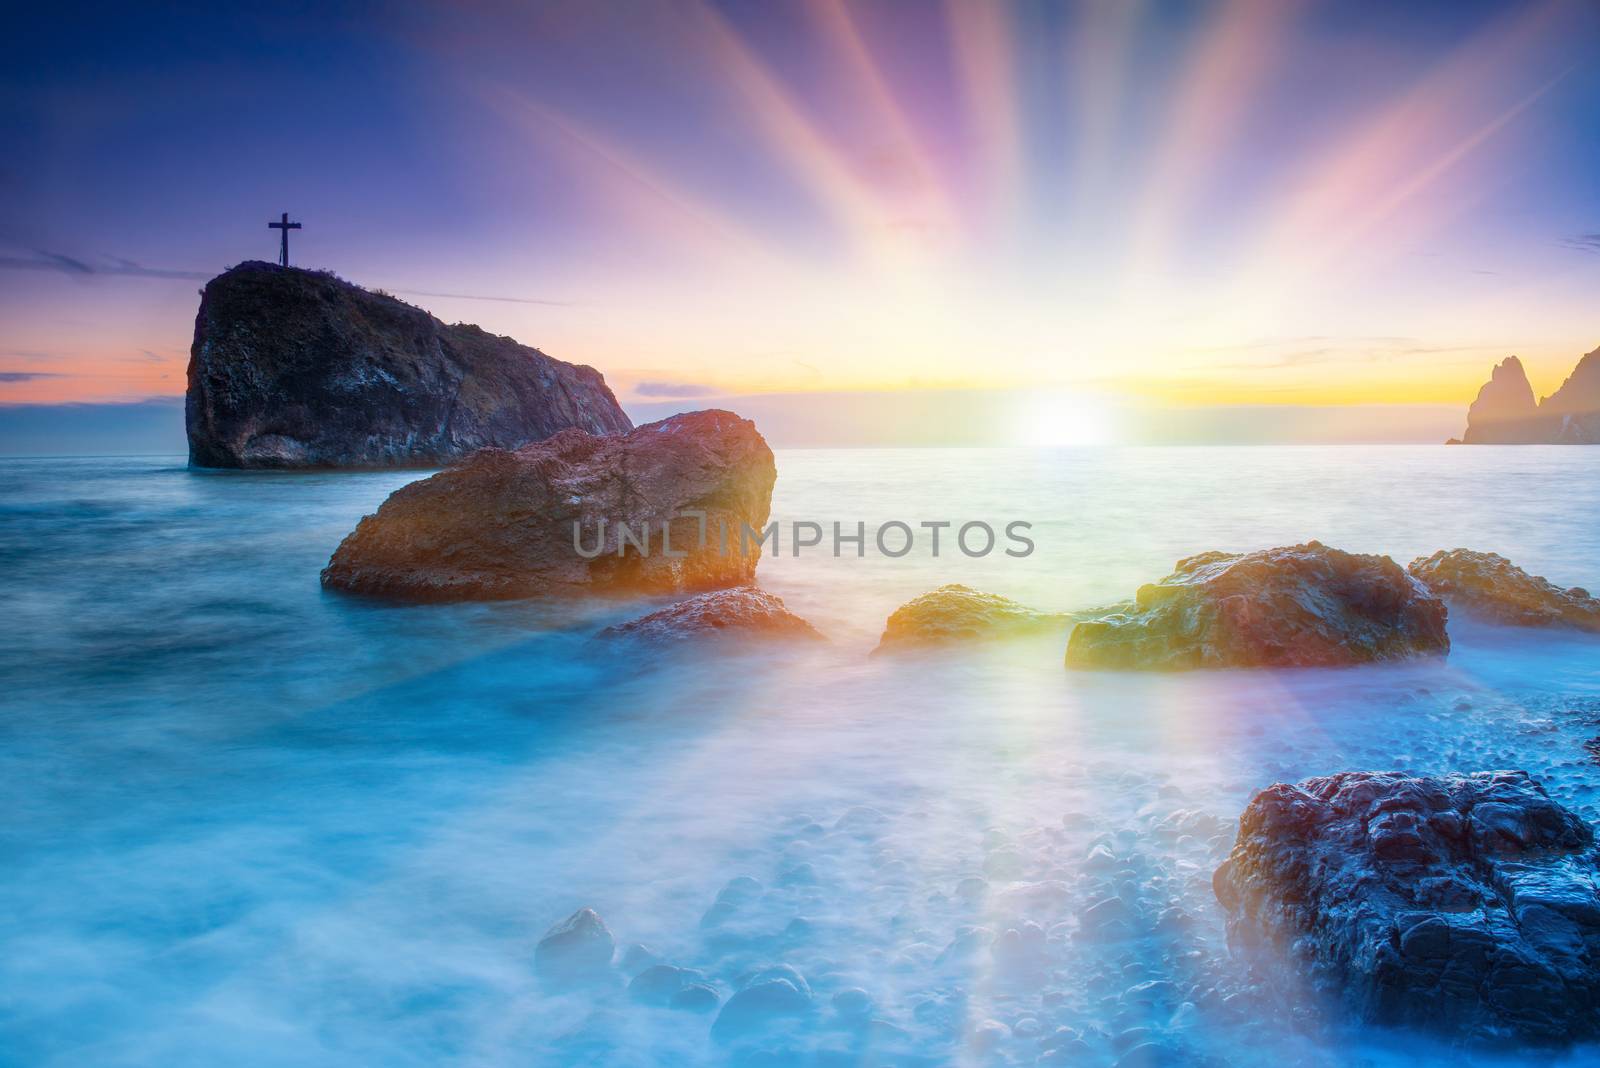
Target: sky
{"x":1088,"y":216}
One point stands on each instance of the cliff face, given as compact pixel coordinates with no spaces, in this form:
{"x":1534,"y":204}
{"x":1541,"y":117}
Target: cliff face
{"x":1505,"y":412}
{"x":1574,"y":409}
{"x":299,"y":369}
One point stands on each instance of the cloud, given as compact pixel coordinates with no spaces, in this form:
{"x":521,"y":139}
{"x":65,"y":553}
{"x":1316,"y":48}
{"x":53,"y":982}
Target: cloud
{"x":674,"y":389}
{"x":1336,"y":350}
{"x":60,"y":263}
{"x":25,"y":376}
{"x":477,"y":296}
{"x":1584,"y":242}
{"x":75,"y":267}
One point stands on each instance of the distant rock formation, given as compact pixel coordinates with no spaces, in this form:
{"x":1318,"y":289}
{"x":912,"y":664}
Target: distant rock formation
{"x":1505,"y":412}
{"x":1301,"y":606}
{"x":300,"y":369}
{"x":1466,"y":904}
{"x":743,"y":612}
{"x":573,"y":514}
{"x":1494,"y":588}
{"x":957,"y":614}
{"x":1574,"y":409}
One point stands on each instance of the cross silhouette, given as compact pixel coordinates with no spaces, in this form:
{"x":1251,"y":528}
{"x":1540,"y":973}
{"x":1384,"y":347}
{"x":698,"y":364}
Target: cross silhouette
{"x":285,"y":225}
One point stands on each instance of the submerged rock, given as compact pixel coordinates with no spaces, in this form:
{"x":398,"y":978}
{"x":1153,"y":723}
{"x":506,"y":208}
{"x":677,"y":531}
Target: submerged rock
{"x":577,"y":949}
{"x":853,"y":1003}
{"x":637,"y":957}
{"x":301,"y":369}
{"x":956,"y":614}
{"x":695,"y":997}
{"x":1300,"y":606}
{"x":573,"y":514}
{"x":660,"y":983}
{"x":743,"y":612}
{"x":770,"y":996}
{"x":788,"y":973}
{"x":1465,"y":903}
{"x":1493,"y":587}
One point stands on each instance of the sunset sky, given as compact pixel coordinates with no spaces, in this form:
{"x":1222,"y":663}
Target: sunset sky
{"x":1087,"y":207}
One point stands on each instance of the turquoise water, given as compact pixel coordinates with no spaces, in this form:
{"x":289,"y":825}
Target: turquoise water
{"x":249,"y":822}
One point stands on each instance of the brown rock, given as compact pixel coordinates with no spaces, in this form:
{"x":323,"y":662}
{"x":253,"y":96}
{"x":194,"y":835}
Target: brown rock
{"x":1300,"y":606}
{"x":1494,"y":588}
{"x":502,"y":524}
{"x":956,"y":614}
{"x":744,"y":612}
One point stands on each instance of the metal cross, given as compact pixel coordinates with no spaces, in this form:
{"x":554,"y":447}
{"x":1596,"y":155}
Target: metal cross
{"x":285,"y":225}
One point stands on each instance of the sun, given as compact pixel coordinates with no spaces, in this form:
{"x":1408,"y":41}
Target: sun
{"x":1058,"y":419}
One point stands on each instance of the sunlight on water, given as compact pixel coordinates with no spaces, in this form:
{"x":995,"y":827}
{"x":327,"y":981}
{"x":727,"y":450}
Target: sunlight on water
{"x":250,"y":822}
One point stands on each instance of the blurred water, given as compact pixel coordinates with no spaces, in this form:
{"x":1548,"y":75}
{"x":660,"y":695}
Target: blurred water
{"x":247,"y":821}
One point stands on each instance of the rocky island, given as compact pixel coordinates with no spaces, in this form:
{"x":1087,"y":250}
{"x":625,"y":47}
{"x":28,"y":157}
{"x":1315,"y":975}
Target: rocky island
{"x":300,"y":369}
{"x":1505,"y":412}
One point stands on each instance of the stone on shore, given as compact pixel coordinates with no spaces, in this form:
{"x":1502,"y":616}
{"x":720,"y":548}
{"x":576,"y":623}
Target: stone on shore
{"x":1492,"y":587}
{"x":301,"y":369}
{"x":1299,"y":606}
{"x":1469,"y":904}
{"x":740,"y":613}
{"x":956,"y":615}
{"x":573,"y":514}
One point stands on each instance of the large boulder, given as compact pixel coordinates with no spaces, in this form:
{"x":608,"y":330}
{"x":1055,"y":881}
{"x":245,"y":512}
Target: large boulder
{"x":956,"y":615}
{"x":1299,"y":606}
{"x":574,"y":514}
{"x":300,"y":369}
{"x":1466,"y":903}
{"x":741,"y":613}
{"x":1491,"y":586}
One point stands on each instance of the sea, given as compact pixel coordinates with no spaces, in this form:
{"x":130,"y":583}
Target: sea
{"x":247,"y":821}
